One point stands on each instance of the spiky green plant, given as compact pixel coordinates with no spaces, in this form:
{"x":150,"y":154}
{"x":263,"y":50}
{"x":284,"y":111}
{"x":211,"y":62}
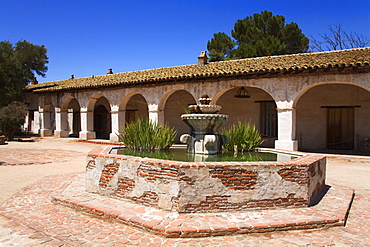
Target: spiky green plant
{"x":242,"y":137}
{"x":146,"y":135}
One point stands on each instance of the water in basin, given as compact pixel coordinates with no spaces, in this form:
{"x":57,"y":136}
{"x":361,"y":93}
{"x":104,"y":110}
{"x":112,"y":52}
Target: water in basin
{"x":179,"y":154}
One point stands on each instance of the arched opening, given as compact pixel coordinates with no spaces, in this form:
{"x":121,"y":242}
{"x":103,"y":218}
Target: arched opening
{"x":102,"y":119}
{"x":74,"y":118}
{"x":49,"y":119}
{"x":332,"y":116}
{"x":259,"y":109}
{"x":136,"y":108}
{"x":176,"y":105}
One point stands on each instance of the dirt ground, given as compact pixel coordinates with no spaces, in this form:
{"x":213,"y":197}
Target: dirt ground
{"x":23,"y":163}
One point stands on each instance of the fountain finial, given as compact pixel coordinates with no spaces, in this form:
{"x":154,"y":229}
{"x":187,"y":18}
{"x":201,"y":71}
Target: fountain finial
{"x":205,"y":99}
{"x":204,"y":107}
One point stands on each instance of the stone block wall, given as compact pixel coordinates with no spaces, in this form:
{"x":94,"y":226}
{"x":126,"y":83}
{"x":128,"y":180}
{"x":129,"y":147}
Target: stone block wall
{"x":188,"y":187}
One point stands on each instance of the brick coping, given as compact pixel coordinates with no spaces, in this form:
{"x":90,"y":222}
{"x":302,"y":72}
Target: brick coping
{"x":305,"y":159}
{"x":332,"y":210}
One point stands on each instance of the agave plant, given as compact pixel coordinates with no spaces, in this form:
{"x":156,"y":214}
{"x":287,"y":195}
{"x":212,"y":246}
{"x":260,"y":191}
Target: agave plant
{"x":242,"y":137}
{"x":146,"y":135}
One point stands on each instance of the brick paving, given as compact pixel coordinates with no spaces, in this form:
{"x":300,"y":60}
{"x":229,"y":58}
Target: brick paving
{"x":33,"y":220}
{"x":330,"y":211}
{"x":34,"y":215}
{"x":34,"y":156}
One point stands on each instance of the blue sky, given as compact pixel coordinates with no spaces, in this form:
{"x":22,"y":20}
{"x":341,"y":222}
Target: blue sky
{"x":86,"y":38}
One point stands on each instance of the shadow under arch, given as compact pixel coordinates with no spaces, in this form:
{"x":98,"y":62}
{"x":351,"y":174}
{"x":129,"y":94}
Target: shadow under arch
{"x":332,"y":116}
{"x":132,"y":107}
{"x":173,"y":104}
{"x":72,"y":120}
{"x":48,"y":125}
{"x":259,"y":109}
{"x":101,"y":109}
{"x":303,"y":91}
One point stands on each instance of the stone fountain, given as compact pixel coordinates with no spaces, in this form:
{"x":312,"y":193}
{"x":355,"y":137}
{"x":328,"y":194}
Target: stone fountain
{"x":163,"y":193}
{"x":204,"y":122}
{"x":179,"y":199}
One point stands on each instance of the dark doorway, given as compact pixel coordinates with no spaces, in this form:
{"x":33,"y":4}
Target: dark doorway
{"x":340,"y":128}
{"x":74,"y":118}
{"x":31,"y":119}
{"x":102,"y":122}
{"x":76,"y":124}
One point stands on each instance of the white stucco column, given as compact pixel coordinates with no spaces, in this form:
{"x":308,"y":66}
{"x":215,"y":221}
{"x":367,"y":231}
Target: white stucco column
{"x":155,"y":115}
{"x":45,"y":123}
{"x":36,"y":122}
{"x":87,"y":124}
{"x":70,"y":121}
{"x":286,"y":129}
{"x":61,"y":128}
{"x":115,"y":124}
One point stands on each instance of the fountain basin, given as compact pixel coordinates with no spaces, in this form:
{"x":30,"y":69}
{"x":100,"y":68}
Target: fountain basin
{"x":198,"y":187}
{"x":204,"y":123}
{"x":206,"y":109}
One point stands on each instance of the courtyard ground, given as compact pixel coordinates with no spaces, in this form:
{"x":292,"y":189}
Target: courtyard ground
{"x":35,"y":221}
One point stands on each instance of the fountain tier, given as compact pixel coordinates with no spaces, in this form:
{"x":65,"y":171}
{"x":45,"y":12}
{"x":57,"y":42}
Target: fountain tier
{"x":204,"y":123}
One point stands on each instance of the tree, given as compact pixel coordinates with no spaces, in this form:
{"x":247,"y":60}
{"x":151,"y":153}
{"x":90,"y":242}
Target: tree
{"x":220,"y":46}
{"x":18,"y":65}
{"x":338,"y":39}
{"x":12,"y":117}
{"x":264,"y":35}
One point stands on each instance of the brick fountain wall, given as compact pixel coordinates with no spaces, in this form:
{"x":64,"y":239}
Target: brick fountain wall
{"x":189,"y":187}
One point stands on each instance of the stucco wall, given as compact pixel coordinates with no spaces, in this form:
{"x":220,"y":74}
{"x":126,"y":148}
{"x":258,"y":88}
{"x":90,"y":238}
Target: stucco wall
{"x":241,"y":109}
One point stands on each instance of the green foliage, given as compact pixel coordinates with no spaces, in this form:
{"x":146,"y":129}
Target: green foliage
{"x":259,"y":35}
{"x":242,"y":137}
{"x":18,"y":65}
{"x":11,"y":118}
{"x":145,"y":135}
{"x":220,"y":46}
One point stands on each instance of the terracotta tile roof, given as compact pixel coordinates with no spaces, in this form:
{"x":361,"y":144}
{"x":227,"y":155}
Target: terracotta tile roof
{"x":297,"y":62}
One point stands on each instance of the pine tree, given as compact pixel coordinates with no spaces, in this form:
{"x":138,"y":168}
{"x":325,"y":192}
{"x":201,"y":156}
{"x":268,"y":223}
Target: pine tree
{"x":260,"y":35}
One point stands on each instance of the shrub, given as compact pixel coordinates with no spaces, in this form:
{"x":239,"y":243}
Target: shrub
{"x":242,"y":137}
{"x":12,"y":117}
{"x":146,"y":135}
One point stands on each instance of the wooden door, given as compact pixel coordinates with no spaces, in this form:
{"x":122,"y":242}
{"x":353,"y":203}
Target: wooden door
{"x":340,"y":128}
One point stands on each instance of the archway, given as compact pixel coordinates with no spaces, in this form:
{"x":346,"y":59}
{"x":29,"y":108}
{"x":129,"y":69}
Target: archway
{"x":102,"y":118}
{"x":69,"y":122}
{"x":48,"y":120}
{"x":74,"y":118}
{"x":136,"y":108}
{"x":259,"y":109}
{"x":177,"y":104}
{"x":332,"y":116}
